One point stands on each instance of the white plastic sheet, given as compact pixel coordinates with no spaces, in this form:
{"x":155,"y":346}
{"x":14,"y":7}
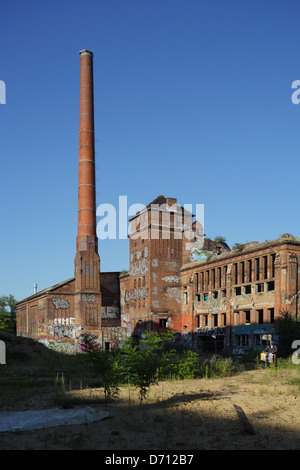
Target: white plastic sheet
{"x":37,"y":419}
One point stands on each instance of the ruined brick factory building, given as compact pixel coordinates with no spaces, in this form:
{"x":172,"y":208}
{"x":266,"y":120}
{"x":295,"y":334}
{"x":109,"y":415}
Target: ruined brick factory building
{"x":210,"y":297}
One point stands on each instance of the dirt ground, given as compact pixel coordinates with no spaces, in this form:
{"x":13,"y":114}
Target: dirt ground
{"x":177,"y":415}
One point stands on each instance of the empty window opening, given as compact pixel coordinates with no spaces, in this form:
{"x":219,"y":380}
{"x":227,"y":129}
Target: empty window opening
{"x":215,"y":294}
{"x":225,"y":275}
{"x":213,"y":278}
{"x":238,"y":291}
{"x":271,"y":315}
{"x":257,"y":269}
{"x":265,"y":267}
{"x":248,"y":289}
{"x":198,"y":298}
{"x":163,"y":322}
{"x":260,"y":287}
{"x":202,"y":281}
{"x":207,"y":278}
{"x":270,"y":285}
{"x":260,"y":316}
{"x":235,"y":273}
{"x":250,"y":270}
{"x":248,"y":317}
{"x":223,"y":293}
{"x":243,"y":271}
{"x":273,"y":265}
{"x":205,"y":297}
{"x":219,"y":277}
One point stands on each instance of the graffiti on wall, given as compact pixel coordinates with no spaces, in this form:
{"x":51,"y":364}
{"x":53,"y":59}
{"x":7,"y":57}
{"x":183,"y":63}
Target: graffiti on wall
{"x":155,"y":302}
{"x":88,"y":297}
{"x":110,"y":312}
{"x":63,"y":328}
{"x":172,"y":266}
{"x":171,"y":278}
{"x":199,"y":255}
{"x":135,"y":294}
{"x":174,"y":293}
{"x":61,"y":303}
{"x":138,"y":264}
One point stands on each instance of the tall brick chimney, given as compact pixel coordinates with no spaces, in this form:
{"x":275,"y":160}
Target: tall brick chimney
{"x":86,"y":232}
{"x":87,"y":260}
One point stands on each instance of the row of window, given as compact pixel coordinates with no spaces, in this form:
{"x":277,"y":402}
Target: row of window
{"x":257,"y":340}
{"x":240,"y":290}
{"x":219,"y":319}
{"x":252,"y":270}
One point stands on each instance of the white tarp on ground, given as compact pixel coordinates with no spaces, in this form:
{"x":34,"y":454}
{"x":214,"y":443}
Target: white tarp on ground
{"x":37,"y":419}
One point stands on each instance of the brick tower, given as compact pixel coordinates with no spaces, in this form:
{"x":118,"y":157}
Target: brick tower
{"x":87,"y":260}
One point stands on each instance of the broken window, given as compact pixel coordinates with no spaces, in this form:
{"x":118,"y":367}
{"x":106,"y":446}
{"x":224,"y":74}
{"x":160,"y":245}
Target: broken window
{"x":257,"y":269}
{"x":213,"y":278}
{"x":248,"y":289}
{"x":225,"y":275}
{"x":235,"y":273}
{"x":238,"y":291}
{"x":265,"y":267}
{"x":250,"y":270}
{"x":243,"y":271}
{"x":273,"y":264}
{"x":163,"y":322}
{"x":219,"y":276}
{"x":270,"y":285}
{"x":260,"y":287}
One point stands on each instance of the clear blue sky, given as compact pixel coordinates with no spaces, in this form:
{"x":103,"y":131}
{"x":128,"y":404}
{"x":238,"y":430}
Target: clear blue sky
{"x":192,"y":100}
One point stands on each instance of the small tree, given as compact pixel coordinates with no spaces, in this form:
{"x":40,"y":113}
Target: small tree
{"x":220,"y":239}
{"x":238,"y":247}
{"x":143,"y":363}
{"x":108,"y":368}
{"x":8,"y":313}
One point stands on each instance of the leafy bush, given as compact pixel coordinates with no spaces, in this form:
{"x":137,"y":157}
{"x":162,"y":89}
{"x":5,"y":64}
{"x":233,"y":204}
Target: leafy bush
{"x":152,"y":360}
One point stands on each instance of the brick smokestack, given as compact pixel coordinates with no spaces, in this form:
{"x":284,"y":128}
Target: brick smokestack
{"x":86,"y":231}
{"x":88,"y":300}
